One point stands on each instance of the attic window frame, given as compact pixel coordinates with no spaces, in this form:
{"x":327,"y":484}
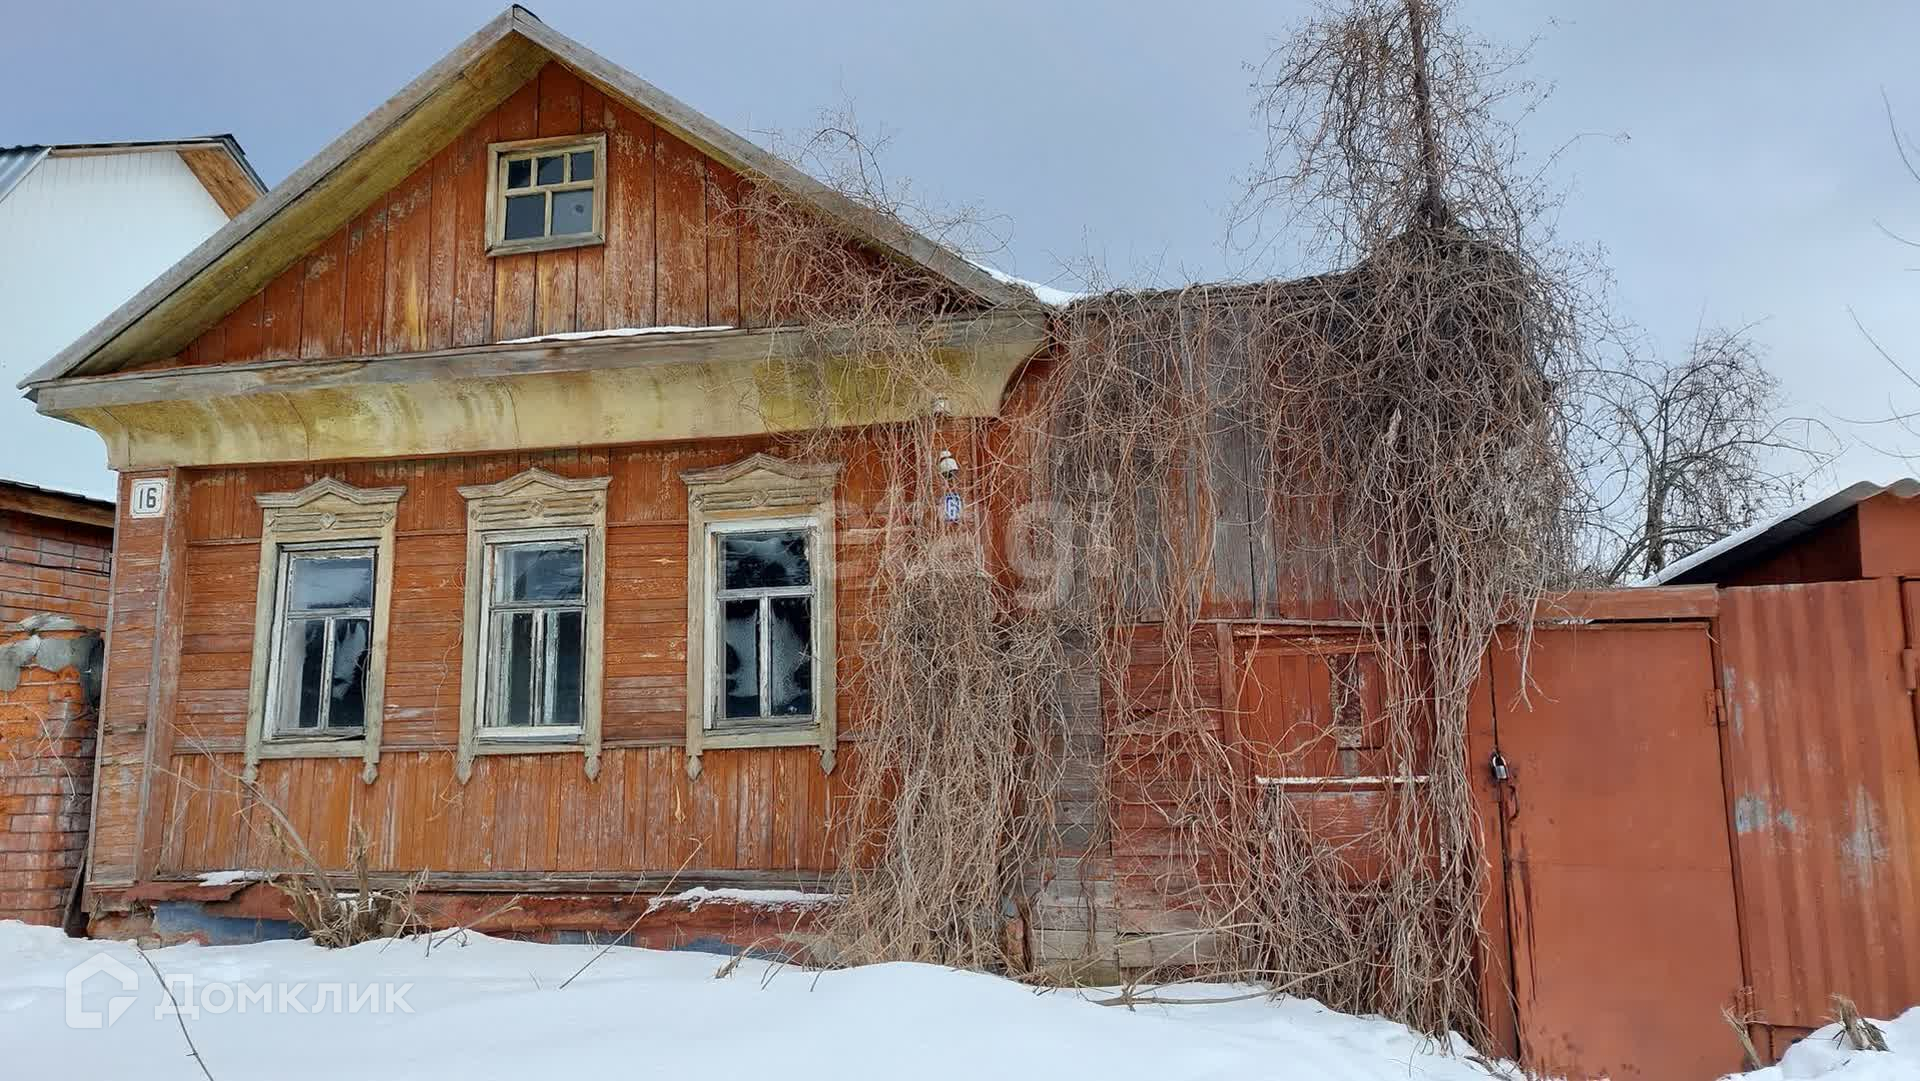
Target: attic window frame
{"x":500,"y":154}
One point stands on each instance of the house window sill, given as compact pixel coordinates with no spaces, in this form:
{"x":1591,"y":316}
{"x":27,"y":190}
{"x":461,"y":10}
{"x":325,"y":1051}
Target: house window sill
{"x":807,"y":735}
{"x":545,"y":243}
{"x":291,"y":747}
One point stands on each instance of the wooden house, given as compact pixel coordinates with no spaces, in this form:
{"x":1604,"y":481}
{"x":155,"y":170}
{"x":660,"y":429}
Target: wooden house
{"x":457,"y":505}
{"x":447,"y":507}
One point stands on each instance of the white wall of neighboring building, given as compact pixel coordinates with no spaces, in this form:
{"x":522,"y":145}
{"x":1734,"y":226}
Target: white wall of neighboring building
{"x":79,"y":235}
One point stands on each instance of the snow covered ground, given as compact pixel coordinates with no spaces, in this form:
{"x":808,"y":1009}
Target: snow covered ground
{"x":491,"y":1008}
{"x":472,"y":1008}
{"x":1822,"y":1055}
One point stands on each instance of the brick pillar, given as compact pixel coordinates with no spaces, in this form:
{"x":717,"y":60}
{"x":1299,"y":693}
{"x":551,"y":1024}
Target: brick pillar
{"x":49,"y":671}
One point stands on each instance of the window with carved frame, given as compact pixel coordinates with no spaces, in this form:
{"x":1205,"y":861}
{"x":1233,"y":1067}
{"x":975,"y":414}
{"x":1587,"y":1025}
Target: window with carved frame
{"x":324,"y":586}
{"x":535,"y":618}
{"x":760,"y":607}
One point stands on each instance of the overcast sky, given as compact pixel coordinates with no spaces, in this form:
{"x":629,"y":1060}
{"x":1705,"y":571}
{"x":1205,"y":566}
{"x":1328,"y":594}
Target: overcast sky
{"x":1736,"y":163}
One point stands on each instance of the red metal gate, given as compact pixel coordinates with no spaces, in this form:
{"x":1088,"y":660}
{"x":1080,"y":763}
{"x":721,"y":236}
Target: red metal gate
{"x":1823,"y":780}
{"x":1619,"y":884}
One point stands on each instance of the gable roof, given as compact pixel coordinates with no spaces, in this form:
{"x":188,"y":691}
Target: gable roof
{"x":395,"y":139}
{"x":1728,"y":554}
{"x":215,"y":160}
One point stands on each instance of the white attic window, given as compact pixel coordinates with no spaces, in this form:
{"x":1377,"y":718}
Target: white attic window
{"x":546,"y":193}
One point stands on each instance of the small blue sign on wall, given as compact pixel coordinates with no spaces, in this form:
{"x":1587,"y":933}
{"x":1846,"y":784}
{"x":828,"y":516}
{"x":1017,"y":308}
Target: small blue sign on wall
{"x":950,"y":506}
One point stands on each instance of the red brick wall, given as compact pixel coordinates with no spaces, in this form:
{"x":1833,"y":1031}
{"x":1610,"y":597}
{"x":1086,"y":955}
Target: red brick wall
{"x":48,"y":565}
{"x":46,"y":769}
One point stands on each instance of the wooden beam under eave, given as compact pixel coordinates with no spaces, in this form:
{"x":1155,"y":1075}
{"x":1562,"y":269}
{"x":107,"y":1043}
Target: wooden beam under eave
{"x":525,"y":397}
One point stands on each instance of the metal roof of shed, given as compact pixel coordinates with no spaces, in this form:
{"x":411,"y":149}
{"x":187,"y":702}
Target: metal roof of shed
{"x":1718,"y":559}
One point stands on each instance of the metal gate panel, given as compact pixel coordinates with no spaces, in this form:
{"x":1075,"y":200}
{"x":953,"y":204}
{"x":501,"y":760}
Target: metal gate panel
{"x":1619,"y":884}
{"x":1824,"y":785}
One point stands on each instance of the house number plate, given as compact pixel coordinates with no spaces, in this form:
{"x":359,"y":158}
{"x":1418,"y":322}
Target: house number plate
{"x":148,"y":499}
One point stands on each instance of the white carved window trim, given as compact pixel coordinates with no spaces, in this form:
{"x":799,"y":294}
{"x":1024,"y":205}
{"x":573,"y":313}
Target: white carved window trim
{"x":769,"y":491}
{"x":326,"y":513}
{"x":531,"y":506}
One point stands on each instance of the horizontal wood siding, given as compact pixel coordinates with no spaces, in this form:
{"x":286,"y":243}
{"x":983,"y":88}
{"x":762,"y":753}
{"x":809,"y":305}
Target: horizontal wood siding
{"x":749,"y":810}
{"x":411,"y":272}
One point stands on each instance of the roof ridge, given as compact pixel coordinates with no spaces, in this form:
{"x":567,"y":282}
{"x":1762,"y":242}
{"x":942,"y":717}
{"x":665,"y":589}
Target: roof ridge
{"x":173,"y":302}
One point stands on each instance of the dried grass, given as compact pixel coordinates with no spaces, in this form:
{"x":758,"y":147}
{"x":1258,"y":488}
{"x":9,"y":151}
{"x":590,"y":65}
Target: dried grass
{"x":1401,"y":428}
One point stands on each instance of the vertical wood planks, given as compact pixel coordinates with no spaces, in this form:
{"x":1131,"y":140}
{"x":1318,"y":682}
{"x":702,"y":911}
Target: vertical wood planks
{"x":723,"y":192}
{"x":589,"y":287}
{"x":629,"y":258}
{"x":443,"y":222}
{"x":410,"y":272}
{"x":323,"y":299}
{"x":755,"y":274}
{"x":243,"y":329}
{"x":681,"y":261}
{"x":366,"y":277}
{"x":515,"y":276}
{"x":280,"y":330}
{"x":409,"y":264}
{"x":472,"y":269}
{"x":556,"y":272}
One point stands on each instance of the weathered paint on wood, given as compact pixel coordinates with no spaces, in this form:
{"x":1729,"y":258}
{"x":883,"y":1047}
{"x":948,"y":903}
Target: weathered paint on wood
{"x":412,"y":273}
{"x":750,"y":809}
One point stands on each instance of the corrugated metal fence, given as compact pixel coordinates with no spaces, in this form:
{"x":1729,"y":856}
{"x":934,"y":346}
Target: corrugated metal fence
{"x":1704,"y":811}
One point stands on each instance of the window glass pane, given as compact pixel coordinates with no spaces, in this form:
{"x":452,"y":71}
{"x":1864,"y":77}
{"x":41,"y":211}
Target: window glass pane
{"x":351,"y":639}
{"x":515,"y":655}
{"x":582,"y":165}
{"x":538,"y":572}
{"x":741,"y":666}
{"x":563,"y":679}
{"x":331,"y":582}
{"x":520,"y":173}
{"x":790,"y":657}
{"x":306,"y":654}
{"x":764,"y":560}
{"x":572,"y":212}
{"x":526,"y":216}
{"x":552,"y":169}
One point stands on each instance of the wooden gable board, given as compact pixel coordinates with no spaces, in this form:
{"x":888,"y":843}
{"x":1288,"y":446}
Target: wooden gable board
{"x":403,"y":136}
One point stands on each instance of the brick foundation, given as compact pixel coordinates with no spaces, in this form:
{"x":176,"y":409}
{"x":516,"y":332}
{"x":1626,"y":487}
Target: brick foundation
{"x":48,"y":693}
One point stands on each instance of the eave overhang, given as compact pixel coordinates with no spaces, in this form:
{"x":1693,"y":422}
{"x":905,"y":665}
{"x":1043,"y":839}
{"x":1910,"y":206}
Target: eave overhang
{"x":671,"y":386}
{"x":402,"y":134}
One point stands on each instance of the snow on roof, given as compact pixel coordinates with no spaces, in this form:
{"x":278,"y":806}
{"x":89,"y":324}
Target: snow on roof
{"x":612,"y":332}
{"x":1763,"y":537}
{"x":1045,"y":294}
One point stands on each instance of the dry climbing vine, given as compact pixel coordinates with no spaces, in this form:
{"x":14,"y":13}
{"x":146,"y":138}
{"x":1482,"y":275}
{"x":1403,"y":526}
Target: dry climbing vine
{"x":1380,"y":447}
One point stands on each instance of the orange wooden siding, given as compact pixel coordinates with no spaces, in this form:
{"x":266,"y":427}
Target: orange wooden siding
{"x":750,"y":809}
{"x":411,"y":273}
